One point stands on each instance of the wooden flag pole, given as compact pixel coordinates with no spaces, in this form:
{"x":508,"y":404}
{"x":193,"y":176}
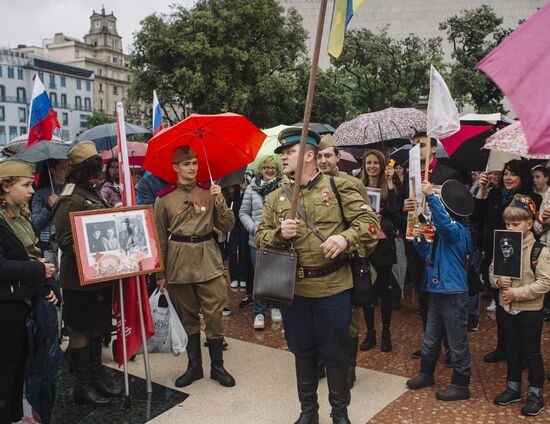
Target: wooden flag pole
{"x":309,"y":105}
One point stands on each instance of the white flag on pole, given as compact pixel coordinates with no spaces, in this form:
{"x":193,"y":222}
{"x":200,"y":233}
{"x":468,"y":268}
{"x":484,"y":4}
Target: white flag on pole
{"x":443,"y":119}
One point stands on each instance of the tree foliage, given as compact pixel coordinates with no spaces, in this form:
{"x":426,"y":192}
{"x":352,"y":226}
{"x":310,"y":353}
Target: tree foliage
{"x":99,"y":118}
{"x":221,"y":55}
{"x":472,"y":36}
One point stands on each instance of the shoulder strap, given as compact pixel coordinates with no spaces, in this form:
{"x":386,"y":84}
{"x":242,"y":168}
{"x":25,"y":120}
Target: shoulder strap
{"x":304,"y":215}
{"x":535,"y":253}
{"x":339,"y":199}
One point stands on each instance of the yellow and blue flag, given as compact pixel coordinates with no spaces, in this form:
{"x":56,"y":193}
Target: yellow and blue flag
{"x":342,"y":13}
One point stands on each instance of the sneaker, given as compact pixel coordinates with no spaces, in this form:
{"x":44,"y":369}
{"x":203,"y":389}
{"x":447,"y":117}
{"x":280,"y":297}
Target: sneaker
{"x":533,"y":406}
{"x":226,"y":312}
{"x":234,"y":284}
{"x":246,"y":302}
{"x":507,"y":397}
{"x":473,"y":323}
{"x":259,"y":323}
{"x":492,"y":307}
{"x":276,"y":315}
{"x":243,"y":284}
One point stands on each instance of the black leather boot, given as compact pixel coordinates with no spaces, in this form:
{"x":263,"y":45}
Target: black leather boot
{"x":83,"y":391}
{"x":307,"y":380}
{"x":424,"y":378}
{"x":352,"y":349}
{"x":194,"y":365}
{"x":101,"y":380}
{"x":457,"y":390}
{"x":338,"y":393}
{"x":369,"y":342}
{"x":385,"y":344}
{"x":217,"y":371}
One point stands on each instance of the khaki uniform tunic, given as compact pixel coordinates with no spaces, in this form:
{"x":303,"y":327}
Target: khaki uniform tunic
{"x":320,"y":203}
{"x":22,"y":228}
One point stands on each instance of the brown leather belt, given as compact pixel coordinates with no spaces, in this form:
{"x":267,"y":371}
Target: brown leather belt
{"x":191,"y":239}
{"x":316,"y":272}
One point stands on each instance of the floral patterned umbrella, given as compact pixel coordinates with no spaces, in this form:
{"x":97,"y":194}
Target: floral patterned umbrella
{"x":387,"y":124}
{"x":512,"y":140}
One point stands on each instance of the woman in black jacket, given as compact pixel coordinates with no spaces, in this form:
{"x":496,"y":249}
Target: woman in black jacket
{"x":23,"y":275}
{"x":375,"y":174}
{"x":488,"y":210}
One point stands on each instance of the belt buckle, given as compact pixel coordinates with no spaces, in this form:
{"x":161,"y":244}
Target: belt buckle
{"x":193,"y":239}
{"x":300,"y":272}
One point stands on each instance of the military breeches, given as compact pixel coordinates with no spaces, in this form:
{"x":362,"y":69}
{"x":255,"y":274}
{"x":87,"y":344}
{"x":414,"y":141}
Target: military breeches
{"x":208,"y":298}
{"x":354,"y":324}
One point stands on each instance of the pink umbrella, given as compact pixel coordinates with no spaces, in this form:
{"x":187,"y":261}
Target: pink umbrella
{"x":511,"y":139}
{"x":136,"y":153}
{"x":347,"y":162}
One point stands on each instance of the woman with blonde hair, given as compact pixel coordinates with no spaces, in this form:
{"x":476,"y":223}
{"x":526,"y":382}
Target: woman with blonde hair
{"x":268,"y":177}
{"x":375,"y":173}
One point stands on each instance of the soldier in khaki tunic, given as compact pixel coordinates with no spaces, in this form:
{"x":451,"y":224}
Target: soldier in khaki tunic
{"x":87,"y":310}
{"x":328,"y":157}
{"x":317,"y":322}
{"x":186,"y":215}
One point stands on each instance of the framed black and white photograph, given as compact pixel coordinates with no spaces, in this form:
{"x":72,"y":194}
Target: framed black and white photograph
{"x":374,"y":197}
{"x":507,"y":253}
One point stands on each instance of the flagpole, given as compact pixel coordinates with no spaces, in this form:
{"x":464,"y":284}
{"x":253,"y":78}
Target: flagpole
{"x":123,"y":332}
{"x":308,"y":107}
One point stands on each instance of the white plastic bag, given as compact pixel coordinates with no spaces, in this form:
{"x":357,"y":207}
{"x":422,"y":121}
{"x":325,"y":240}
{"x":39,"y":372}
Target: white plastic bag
{"x":161,"y":341}
{"x":178,"y":334}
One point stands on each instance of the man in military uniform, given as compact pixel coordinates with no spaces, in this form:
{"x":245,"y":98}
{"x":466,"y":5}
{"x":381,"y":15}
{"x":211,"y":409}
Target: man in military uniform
{"x":186,"y":215}
{"x":317,"y":322}
{"x":328,"y":157}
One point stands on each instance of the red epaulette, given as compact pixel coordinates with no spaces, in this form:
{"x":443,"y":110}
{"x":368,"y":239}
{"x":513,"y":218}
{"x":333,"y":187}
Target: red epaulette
{"x":167,"y":190}
{"x":204,"y":184}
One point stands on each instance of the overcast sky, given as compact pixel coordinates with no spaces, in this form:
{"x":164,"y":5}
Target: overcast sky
{"x":29,"y":21}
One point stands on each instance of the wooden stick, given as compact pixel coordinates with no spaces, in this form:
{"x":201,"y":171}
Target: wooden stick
{"x":309,"y":105}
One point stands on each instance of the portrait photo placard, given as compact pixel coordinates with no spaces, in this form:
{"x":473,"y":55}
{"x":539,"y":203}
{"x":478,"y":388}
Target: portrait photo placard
{"x":507,"y":253}
{"x":115,"y":243}
{"x":374,"y":197}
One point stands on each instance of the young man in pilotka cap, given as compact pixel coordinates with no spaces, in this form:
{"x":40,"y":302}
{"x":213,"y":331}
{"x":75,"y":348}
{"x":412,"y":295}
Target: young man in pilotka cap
{"x":186,"y":215}
{"x":317,"y":322}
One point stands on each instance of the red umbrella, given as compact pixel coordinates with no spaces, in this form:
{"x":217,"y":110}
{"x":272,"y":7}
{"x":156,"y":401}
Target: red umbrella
{"x":136,"y":153}
{"x":223,"y":143}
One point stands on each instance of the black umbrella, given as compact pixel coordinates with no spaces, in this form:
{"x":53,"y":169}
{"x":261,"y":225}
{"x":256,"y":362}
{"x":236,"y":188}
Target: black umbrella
{"x":318,"y":128}
{"x":44,"y":150}
{"x":401,"y":156}
{"x":105,"y":136}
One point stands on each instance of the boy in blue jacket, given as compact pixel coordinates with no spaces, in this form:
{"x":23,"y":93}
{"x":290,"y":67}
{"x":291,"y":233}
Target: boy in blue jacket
{"x":447,"y":283}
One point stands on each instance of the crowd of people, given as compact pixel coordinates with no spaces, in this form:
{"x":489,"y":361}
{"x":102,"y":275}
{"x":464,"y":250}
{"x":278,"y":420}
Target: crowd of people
{"x":221,"y":229}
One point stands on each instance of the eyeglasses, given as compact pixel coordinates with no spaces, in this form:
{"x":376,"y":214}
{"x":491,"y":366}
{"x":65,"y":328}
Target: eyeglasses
{"x":269,"y":168}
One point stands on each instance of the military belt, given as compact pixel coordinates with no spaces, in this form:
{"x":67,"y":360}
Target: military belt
{"x":316,"y":272}
{"x":191,"y":239}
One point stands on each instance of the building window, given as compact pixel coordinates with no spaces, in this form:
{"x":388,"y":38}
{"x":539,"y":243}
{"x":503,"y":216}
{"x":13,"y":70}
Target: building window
{"x":101,"y":105}
{"x":115,"y":89}
{"x":13,"y":133}
{"x":100,"y":72}
{"x":53,"y":99}
{"x":52,"y":81}
{"x":0,"y":76}
{"x":84,"y":121}
{"x":2,"y":93}
{"x":65,"y":135}
{"x":78,"y":84}
{"x":2,"y":114}
{"x":2,"y":135}
{"x":19,"y":73}
{"x":21,"y":95}
{"x":22,"y":130}
{"x":97,"y":24}
{"x":77,"y":103}
{"x":88,"y":85}
{"x":41,"y":75}
{"x":65,"y":119}
{"x":110,"y":25}
{"x":63,"y":100}
{"x":87,"y":104}
{"x":62,"y":81}
{"x":10,"y":71}
{"x":115,"y":59}
{"x":22,"y":113}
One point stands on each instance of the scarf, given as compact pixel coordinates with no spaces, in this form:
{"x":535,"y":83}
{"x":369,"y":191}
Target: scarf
{"x":507,"y":195}
{"x":263,"y":188}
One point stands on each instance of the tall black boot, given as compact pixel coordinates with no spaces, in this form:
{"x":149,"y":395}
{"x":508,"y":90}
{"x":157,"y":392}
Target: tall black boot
{"x":352,"y":350}
{"x":194,"y":365}
{"x":101,"y":380}
{"x":217,"y":371}
{"x":370,"y":340}
{"x":339,"y":395}
{"x":307,"y":379}
{"x":424,"y":378}
{"x":457,"y":390}
{"x":385,"y":344}
{"x":83,"y":391}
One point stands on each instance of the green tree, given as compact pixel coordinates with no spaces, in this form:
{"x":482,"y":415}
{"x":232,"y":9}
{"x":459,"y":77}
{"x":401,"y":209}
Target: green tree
{"x":381,"y":72}
{"x":99,"y":118}
{"x":472,"y":35}
{"x":221,"y":55}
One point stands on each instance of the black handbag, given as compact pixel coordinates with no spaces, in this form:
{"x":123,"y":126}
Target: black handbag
{"x":275,"y":275}
{"x":363,"y":292}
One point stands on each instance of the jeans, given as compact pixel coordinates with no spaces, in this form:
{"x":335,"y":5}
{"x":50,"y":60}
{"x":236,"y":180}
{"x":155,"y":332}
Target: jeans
{"x":238,"y":256}
{"x":523,"y":335}
{"x":448,"y":311}
{"x":473,"y":307}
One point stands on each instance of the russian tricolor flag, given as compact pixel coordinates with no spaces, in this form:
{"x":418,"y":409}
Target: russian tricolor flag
{"x":157,"y":114}
{"x":42,"y":118}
